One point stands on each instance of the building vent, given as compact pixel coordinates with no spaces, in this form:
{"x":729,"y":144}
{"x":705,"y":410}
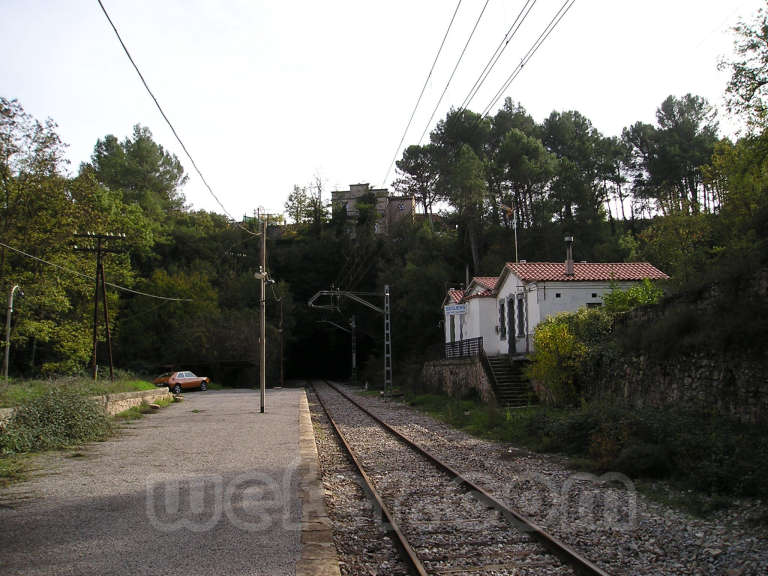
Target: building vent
{"x":569,"y":255}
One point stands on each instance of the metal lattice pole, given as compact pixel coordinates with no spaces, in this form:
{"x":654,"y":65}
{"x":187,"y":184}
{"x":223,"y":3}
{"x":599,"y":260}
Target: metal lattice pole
{"x":387,"y":344}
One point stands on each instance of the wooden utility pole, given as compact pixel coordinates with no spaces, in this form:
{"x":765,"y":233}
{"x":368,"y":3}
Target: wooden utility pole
{"x":99,"y":248}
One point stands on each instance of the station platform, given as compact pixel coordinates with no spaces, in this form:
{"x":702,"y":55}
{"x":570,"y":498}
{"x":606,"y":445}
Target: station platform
{"x":209,"y":485}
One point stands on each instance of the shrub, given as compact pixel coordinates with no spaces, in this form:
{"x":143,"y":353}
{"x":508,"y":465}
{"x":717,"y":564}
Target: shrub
{"x":556,"y":359}
{"x":644,"y":461}
{"x":57,"y":419}
{"x":562,"y":344}
{"x":643,"y":294}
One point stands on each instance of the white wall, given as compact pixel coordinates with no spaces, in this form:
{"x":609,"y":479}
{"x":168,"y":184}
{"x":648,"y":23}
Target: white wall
{"x":544,"y":299}
{"x":573,"y":295}
{"x":476,"y":324}
{"x":486,"y":324}
{"x":541,"y":301}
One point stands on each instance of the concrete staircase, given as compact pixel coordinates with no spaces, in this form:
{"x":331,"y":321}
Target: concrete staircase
{"x":511,"y":385}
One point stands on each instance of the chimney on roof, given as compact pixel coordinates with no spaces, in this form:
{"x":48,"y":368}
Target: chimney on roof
{"x":569,"y":256}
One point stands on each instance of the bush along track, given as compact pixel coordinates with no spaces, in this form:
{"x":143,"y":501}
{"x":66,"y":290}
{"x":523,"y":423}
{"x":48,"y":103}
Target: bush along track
{"x":710,"y":457}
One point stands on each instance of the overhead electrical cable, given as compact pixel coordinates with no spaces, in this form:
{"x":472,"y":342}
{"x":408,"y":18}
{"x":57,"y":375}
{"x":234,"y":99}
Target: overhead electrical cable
{"x":92,"y":278}
{"x":531,"y":51}
{"x":170,"y":125}
{"x":421,"y":94}
{"x":471,"y":34}
{"x":513,"y":29}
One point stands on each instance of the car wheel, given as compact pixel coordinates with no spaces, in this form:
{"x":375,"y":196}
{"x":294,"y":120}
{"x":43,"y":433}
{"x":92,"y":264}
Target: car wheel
{"x":177,"y":389}
{"x":203,"y":386}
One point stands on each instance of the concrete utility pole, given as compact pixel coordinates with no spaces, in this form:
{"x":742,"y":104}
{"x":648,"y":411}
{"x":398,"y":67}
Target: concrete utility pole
{"x":263,"y":276}
{"x":99,"y":248}
{"x":6,"y":357}
{"x":263,"y":316}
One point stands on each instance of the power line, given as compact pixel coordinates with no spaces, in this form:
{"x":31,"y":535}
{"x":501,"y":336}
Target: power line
{"x":162,"y":112}
{"x":471,"y":34}
{"x":498,"y":52}
{"x":110,"y":284}
{"x":559,"y":15}
{"x":421,"y":94}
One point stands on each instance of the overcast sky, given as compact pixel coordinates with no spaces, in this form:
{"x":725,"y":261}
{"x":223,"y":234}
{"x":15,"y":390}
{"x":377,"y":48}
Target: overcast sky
{"x":269,"y":93}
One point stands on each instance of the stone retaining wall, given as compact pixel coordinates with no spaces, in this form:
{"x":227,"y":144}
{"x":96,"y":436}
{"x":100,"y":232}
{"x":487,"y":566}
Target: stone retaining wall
{"x":458,"y":377}
{"x":729,"y":385}
{"x":711,"y":380}
{"x":114,"y":403}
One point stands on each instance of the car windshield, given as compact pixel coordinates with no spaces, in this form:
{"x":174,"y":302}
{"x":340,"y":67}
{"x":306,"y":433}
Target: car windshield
{"x":190,"y":375}
{"x":164,"y":375}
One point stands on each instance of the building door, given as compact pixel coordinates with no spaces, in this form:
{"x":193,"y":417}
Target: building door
{"x":511,"y":325}
{"x":522,"y":325}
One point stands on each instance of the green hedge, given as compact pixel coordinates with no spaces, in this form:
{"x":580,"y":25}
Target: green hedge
{"x":708,"y":453}
{"x":57,"y":419}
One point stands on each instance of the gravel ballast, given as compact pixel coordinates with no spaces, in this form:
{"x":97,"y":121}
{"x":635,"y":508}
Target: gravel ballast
{"x":603,"y":518}
{"x":451,"y":531}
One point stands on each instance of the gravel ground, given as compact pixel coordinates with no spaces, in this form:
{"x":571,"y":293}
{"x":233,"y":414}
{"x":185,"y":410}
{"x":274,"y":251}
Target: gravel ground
{"x":362,"y":545}
{"x":206,"y":486}
{"x":450,"y":530}
{"x":605,"y":518}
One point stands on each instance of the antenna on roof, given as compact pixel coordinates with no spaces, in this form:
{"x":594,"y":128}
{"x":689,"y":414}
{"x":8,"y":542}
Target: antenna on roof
{"x":509,"y":210}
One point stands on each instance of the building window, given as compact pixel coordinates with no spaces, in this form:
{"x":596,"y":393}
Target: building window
{"x":594,"y":294}
{"x":557,"y":294}
{"x":520,"y":317}
{"x":453,"y":328}
{"x":502,"y":322}
{"x":594,"y":304}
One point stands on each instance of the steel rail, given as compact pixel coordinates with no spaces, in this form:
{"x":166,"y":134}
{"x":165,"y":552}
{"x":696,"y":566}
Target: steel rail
{"x":406,"y":550}
{"x":560,"y":549}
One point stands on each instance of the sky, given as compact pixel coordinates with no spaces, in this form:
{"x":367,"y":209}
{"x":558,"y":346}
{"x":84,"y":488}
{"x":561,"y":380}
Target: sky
{"x":268,"y":94}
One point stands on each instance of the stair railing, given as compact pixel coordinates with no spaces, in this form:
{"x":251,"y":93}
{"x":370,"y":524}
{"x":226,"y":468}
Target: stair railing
{"x":489,"y":373}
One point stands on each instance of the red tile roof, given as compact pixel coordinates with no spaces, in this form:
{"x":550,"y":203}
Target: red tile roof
{"x":585,"y":271}
{"x":455,"y":295}
{"x":485,"y":286}
{"x":488,"y":281}
{"x":483,"y":294}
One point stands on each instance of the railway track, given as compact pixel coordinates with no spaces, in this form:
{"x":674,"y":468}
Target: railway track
{"x":442,"y":522}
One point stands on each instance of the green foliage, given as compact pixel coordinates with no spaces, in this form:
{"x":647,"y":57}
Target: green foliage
{"x":20,"y":391}
{"x":13,"y":468}
{"x":746,"y":91}
{"x":418,"y":175}
{"x":644,"y":294}
{"x":142,"y":170}
{"x":297,"y":205}
{"x":713,"y":455}
{"x":57,"y":419}
{"x":563,"y":343}
{"x":557,"y":358}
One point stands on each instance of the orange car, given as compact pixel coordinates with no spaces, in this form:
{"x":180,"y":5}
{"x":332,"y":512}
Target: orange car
{"x":178,"y":381}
